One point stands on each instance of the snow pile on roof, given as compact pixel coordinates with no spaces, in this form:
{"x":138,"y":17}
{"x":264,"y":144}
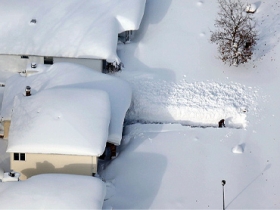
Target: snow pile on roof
{"x":60,"y":121}
{"x":74,"y":76}
{"x":72,"y":28}
{"x":196,"y":104}
{"x":54,"y":191}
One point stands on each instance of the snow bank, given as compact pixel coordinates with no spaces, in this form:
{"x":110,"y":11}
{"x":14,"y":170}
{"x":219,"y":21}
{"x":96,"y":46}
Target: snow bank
{"x":195,"y":104}
{"x":74,"y":76}
{"x":54,"y":191}
{"x":178,"y":167}
{"x":60,"y":121}
{"x":72,"y":28}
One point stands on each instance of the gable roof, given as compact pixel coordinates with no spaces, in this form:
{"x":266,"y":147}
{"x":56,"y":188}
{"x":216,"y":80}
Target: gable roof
{"x":73,"y":76}
{"x":67,"y":28}
{"x":60,"y":121}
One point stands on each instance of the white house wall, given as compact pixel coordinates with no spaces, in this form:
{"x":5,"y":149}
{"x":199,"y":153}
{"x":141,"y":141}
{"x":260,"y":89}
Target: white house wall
{"x":95,"y":64}
{"x":14,"y":63}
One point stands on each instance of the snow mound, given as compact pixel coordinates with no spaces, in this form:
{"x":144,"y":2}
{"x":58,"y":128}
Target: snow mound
{"x":199,"y":3}
{"x":195,"y":104}
{"x":251,"y":8}
{"x":238,"y":149}
{"x":48,"y":191}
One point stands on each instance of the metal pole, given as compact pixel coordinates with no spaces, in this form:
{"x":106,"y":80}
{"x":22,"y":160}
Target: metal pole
{"x":223,"y":184}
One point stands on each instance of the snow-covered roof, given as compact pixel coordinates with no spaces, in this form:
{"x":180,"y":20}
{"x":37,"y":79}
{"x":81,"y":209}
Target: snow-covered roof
{"x":60,"y":121}
{"x":54,"y":191}
{"x":77,"y":76}
{"x":71,"y":28}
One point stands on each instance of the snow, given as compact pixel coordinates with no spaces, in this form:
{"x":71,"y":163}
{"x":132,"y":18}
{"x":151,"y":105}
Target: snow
{"x":177,"y":79}
{"x":73,"y":76}
{"x":175,"y":166}
{"x":238,"y":149}
{"x":70,"y":121}
{"x":196,"y":103}
{"x":53,"y":191}
{"x":8,"y":178}
{"x":251,"y":8}
{"x":93,"y":25}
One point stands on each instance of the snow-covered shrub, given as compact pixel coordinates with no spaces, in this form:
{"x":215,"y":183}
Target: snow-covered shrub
{"x":235,"y":33}
{"x":113,"y":67}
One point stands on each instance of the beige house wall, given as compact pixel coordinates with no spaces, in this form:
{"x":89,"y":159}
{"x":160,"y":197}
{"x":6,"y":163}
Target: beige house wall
{"x":7,"y":124}
{"x":51,"y":163}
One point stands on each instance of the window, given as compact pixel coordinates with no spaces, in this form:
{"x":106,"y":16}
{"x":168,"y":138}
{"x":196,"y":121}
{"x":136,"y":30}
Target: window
{"x":19,"y":156}
{"x":48,"y":60}
{"x":24,"y":57}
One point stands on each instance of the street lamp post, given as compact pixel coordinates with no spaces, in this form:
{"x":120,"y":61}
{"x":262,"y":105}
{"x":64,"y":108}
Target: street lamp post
{"x":223,"y":184}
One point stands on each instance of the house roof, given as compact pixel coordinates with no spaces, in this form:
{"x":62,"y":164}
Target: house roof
{"x":60,"y":121}
{"x":71,"y":28}
{"x":53,"y":191}
{"x":73,"y":76}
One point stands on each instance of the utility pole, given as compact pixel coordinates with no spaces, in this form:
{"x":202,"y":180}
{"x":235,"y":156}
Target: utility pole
{"x":223,"y":184}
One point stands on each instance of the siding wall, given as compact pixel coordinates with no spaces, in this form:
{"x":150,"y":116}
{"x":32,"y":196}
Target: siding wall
{"x":51,"y":163}
{"x":7,"y":124}
{"x":14,"y":63}
{"x":91,"y":63}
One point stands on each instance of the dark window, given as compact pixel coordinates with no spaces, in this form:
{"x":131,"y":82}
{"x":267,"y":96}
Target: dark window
{"x":22,"y":156}
{"x":16,"y":156}
{"x":24,"y":57}
{"x":48,"y":60}
{"x":19,"y":156}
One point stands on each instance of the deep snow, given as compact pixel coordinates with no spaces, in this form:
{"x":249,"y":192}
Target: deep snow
{"x":93,"y":25}
{"x":171,"y":64}
{"x":53,"y":191}
{"x":173,"y":166}
{"x":71,"y":121}
{"x":69,"y":75}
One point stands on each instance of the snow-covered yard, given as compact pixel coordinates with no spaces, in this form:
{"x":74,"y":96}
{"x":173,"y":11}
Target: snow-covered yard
{"x":173,"y":166}
{"x":176,"y":78}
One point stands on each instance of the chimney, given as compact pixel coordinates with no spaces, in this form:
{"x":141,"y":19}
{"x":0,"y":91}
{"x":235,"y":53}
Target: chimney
{"x":28,"y":91}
